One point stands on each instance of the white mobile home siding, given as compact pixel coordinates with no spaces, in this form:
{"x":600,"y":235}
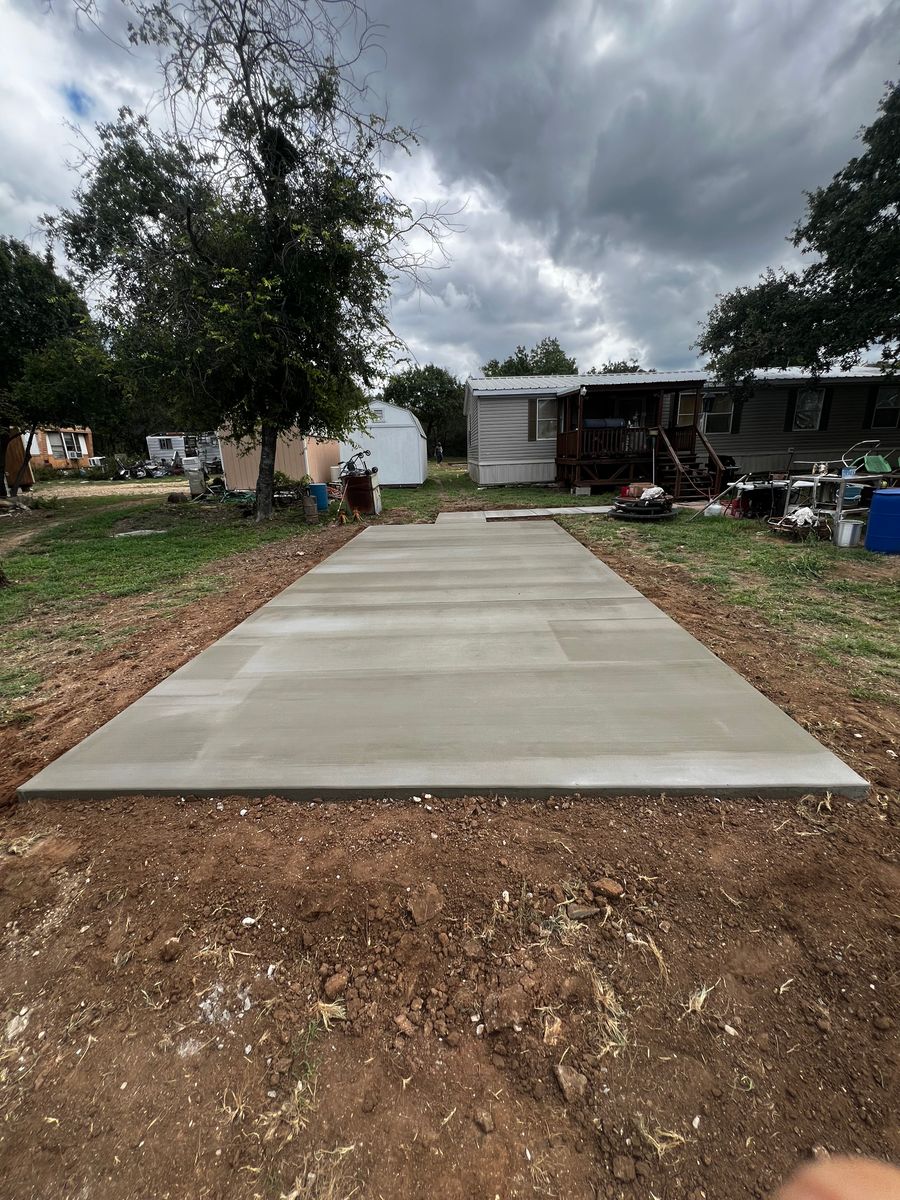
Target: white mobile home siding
{"x":502,"y":452}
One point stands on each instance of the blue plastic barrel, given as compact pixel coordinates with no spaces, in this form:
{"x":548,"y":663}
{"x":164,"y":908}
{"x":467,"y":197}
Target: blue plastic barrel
{"x":320,"y":491}
{"x":883,"y":534}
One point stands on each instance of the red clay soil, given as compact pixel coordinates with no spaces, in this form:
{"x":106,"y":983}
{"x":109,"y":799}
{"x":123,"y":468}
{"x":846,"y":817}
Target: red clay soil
{"x":579,"y":999}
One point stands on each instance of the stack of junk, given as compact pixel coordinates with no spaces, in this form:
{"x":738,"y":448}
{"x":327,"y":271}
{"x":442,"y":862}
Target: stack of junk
{"x":643,"y":502}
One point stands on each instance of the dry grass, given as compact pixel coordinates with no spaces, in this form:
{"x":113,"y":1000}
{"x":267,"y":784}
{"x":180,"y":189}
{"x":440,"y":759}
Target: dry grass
{"x":661,"y":1140}
{"x":327,"y":1012}
{"x":324,"y":1175}
{"x":698,"y":998}
{"x":611,"y":1037}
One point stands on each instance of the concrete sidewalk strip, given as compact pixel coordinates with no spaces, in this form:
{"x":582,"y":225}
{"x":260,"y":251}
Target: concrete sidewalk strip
{"x":463,"y":656}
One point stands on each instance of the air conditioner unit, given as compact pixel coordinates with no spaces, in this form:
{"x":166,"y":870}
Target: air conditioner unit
{"x":73,"y":455}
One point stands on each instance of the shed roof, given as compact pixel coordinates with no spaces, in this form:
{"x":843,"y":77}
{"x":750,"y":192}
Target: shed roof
{"x":559,"y":385}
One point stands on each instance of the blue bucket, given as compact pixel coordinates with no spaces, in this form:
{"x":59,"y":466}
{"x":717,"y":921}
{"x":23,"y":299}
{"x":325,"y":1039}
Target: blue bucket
{"x":320,"y":491}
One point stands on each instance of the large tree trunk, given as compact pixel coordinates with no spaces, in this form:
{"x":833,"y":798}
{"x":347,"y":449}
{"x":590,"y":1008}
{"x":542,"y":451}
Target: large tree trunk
{"x":265,"y":481}
{"x":23,"y":466}
{"x":5,"y":439}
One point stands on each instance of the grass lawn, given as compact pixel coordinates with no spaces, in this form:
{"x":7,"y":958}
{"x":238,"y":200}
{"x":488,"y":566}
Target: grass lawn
{"x":840,"y":605}
{"x":449,"y":487}
{"x":66,"y":572}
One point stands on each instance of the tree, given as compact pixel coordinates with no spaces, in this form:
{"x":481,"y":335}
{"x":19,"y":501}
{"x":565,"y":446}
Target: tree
{"x":246,"y":253}
{"x":845,"y":301}
{"x":622,"y":366}
{"x":546,"y":358}
{"x":50,"y":358}
{"x":430,"y":392}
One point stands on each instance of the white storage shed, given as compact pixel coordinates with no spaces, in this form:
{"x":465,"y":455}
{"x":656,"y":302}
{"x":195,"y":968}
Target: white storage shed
{"x":397,"y":441}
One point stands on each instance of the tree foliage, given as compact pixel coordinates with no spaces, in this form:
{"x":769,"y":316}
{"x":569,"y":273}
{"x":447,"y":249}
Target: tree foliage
{"x":545,"y":358}
{"x":620,"y":366}
{"x":433,"y":394}
{"x":847,"y":300}
{"x":245,"y":255}
{"x":53,"y":367}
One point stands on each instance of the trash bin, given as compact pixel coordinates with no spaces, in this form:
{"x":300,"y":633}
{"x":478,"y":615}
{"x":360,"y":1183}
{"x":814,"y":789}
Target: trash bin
{"x":364,"y":493}
{"x":883,"y":534}
{"x":320,"y":491}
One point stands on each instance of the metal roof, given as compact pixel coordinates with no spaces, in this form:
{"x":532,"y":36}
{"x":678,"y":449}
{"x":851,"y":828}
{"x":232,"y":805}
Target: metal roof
{"x":559,"y":385}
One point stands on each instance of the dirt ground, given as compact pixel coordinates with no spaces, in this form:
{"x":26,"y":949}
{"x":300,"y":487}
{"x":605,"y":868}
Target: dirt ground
{"x":460,"y":998}
{"x":457,"y":998}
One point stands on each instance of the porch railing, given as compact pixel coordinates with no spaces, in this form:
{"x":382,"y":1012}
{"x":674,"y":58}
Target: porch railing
{"x":617,"y":443}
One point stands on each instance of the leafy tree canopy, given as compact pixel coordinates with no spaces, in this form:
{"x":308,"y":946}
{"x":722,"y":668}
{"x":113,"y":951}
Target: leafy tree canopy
{"x":245,"y":254}
{"x":546,"y":358}
{"x":432,"y":393}
{"x":37,"y":307}
{"x":621,"y":366}
{"x":53,"y":367}
{"x":844,"y":302}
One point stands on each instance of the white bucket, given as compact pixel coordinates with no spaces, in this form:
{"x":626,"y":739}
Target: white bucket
{"x":336,"y":474}
{"x":713,"y":510}
{"x":848,"y":533}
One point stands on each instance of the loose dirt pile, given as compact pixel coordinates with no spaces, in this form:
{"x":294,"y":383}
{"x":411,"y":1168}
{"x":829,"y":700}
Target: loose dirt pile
{"x":457,"y":998}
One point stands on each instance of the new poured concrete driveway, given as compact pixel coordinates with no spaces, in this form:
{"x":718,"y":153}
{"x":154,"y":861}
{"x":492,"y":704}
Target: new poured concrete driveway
{"x":464,"y":656}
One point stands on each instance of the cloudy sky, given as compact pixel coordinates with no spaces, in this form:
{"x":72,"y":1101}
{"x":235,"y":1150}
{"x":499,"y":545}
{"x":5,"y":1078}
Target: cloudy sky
{"x":618,"y":162}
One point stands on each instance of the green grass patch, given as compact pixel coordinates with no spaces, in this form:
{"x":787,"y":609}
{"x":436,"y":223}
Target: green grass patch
{"x":64,"y":574}
{"x":805,"y":589}
{"x":449,"y":485}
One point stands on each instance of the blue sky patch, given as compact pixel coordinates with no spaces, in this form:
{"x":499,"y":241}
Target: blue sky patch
{"x":79,"y":102}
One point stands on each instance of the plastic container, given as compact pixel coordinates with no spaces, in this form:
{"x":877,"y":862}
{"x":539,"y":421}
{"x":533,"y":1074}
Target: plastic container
{"x":336,"y":474}
{"x":848,"y":533}
{"x":713,"y":510}
{"x":320,"y":491}
{"x":883,"y":534}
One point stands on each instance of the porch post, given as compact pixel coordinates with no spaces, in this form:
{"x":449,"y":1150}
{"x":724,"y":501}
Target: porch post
{"x":580,"y":437}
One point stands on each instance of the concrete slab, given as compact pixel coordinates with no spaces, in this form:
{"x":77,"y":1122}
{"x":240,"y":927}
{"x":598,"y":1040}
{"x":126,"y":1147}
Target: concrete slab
{"x":465,"y":656}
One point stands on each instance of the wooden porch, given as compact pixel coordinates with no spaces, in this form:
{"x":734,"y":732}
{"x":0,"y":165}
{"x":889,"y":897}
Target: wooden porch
{"x":608,"y":438}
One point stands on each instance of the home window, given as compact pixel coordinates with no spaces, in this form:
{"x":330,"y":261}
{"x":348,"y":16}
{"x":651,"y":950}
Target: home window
{"x":377,"y":414}
{"x":688,"y":407}
{"x":719,"y":412}
{"x":887,"y":409}
{"x":546,"y":420}
{"x":56,"y":444}
{"x":808,"y":410}
{"x":165,"y":443}
{"x":74,"y":444}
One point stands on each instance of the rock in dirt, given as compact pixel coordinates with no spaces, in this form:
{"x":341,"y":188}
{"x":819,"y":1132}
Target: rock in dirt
{"x":336,"y":985}
{"x":404,"y":1024}
{"x":503,"y":1010}
{"x":623,"y":1168}
{"x":171,"y":949}
{"x":883,"y":1023}
{"x":425,"y":903}
{"x":581,"y":912}
{"x":485,"y":1122}
{"x":609,"y":889}
{"x":572,"y":1083}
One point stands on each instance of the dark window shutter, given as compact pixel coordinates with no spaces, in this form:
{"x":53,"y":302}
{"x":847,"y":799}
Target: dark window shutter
{"x":532,"y":420}
{"x":826,"y":408}
{"x":790,"y":410}
{"x":871,"y":401}
{"x":737,"y":411}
